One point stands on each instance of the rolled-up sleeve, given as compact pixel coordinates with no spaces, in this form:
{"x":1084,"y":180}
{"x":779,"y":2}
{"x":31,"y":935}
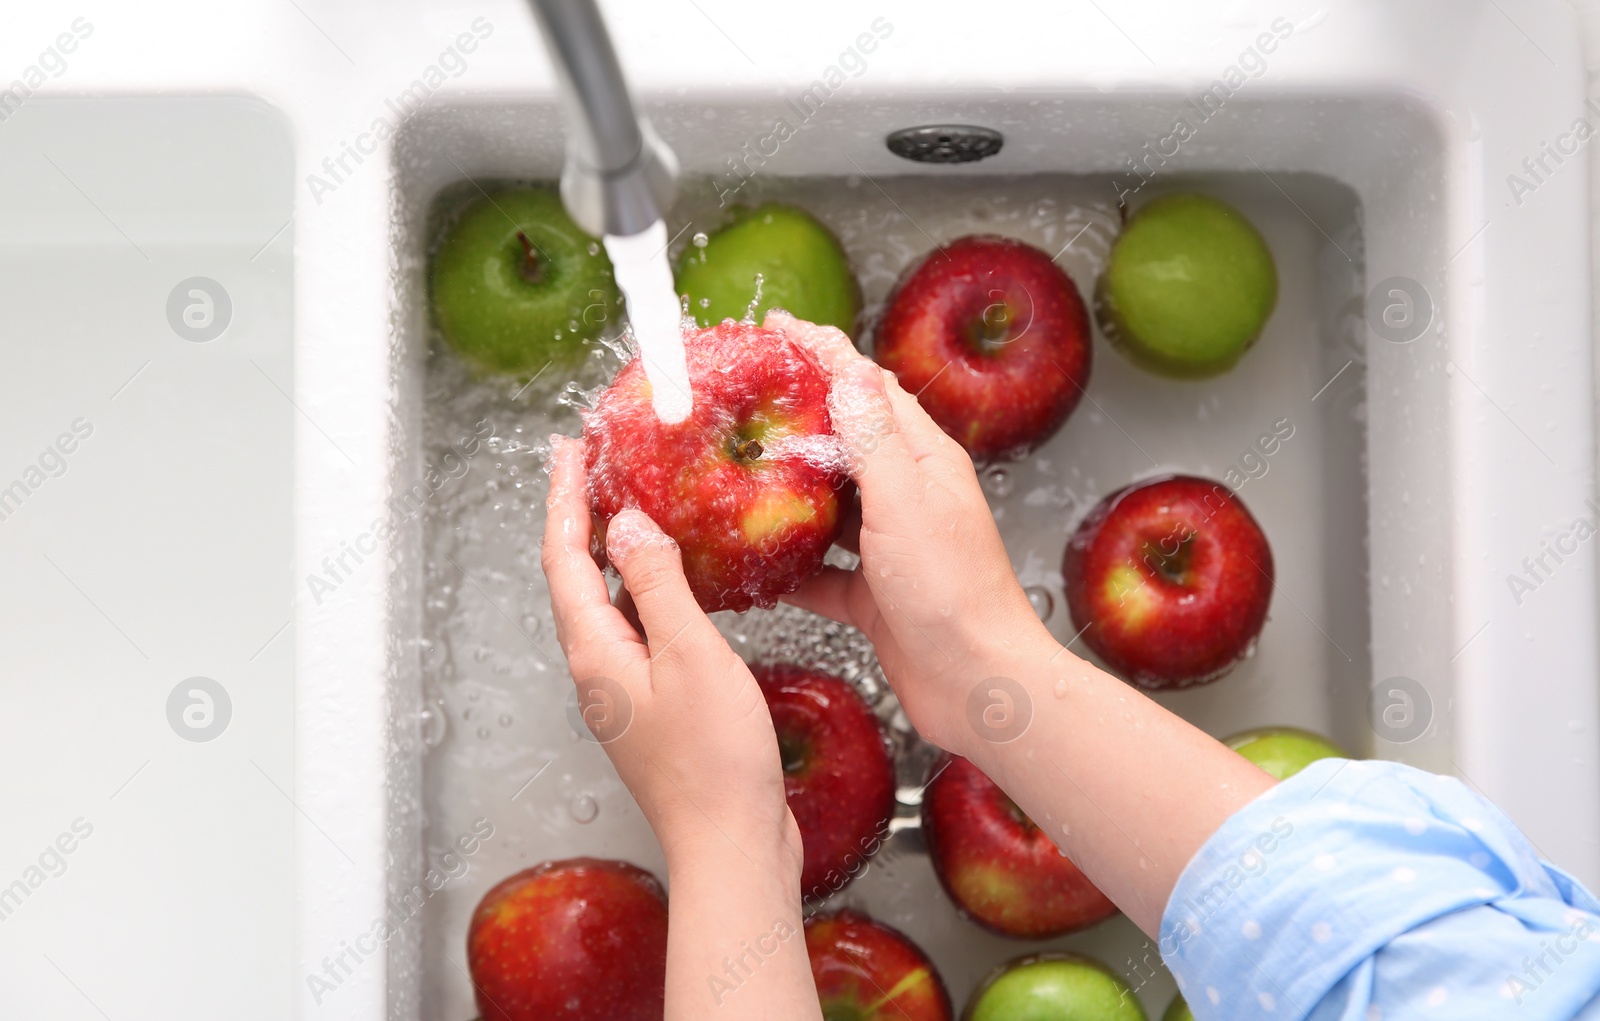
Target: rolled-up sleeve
{"x":1366,"y":891}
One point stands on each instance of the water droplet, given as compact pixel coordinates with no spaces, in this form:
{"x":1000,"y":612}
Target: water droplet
{"x":1044,"y":604}
{"x":505,"y":719}
{"x":432,"y":722}
{"x":483,"y":732}
{"x":997,"y":481}
{"x":1061,"y":688}
{"x":584,"y":808}
{"x":700,"y":240}
{"x":594,"y":248}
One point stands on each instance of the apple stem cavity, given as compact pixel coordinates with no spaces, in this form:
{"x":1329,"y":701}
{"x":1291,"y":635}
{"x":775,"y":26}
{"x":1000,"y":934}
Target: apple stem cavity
{"x":994,"y":328}
{"x":1173,"y":566}
{"x":747,"y":451}
{"x":532,"y":268}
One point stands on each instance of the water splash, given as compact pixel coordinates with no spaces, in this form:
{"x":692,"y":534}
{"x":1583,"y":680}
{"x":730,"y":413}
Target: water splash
{"x":645,"y":277}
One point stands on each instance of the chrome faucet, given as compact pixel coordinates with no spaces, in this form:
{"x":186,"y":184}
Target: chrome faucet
{"x":620,"y":177}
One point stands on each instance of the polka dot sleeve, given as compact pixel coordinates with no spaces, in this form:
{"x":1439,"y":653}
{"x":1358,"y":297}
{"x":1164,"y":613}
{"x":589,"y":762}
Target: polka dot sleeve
{"x":1364,"y":891}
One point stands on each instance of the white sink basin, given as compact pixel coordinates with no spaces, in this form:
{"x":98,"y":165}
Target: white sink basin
{"x":1375,"y":144}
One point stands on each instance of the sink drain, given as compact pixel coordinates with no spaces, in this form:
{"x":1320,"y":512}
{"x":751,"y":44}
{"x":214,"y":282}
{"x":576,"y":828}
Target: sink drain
{"x":945,"y":143}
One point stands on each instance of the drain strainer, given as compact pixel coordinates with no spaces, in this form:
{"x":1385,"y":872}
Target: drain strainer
{"x":945,"y":143}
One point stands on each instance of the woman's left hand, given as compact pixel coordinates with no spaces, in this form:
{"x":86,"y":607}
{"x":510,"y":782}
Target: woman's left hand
{"x":676,"y":709}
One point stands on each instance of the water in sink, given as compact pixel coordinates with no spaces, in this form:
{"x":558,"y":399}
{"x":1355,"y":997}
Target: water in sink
{"x":501,"y":719}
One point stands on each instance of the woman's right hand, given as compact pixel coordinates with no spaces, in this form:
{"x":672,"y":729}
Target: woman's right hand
{"x":935,"y":591}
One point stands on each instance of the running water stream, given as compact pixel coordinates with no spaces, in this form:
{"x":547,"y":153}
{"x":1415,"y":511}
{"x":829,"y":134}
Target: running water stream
{"x":644,"y":274}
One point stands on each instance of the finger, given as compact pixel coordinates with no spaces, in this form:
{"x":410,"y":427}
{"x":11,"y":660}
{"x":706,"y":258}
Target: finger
{"x":924,"y":436}
{"x":835,"y":593}
{"x":578,"y":594}
{"x":829,"y":345}
{"x":838,"y":354}
{"x":880,"y":460}
{"x":652,"y":568}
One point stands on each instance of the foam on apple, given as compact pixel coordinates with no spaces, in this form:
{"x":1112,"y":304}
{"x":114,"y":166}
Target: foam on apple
{"x":749,"y":484}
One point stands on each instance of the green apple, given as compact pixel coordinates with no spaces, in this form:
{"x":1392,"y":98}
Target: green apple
{"x":1187,"y":288}
{"x":802,"y":266}
{"x":516,"y":285}
{"x":1053,"y":987}
{"x":1178,"y":1010}
{"x":1283,"y":751}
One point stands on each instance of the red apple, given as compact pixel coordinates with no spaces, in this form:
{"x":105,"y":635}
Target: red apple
{"x":993,"y":339}
{"x":1003,"y":871}
{"x":837,"y":772}
{"x":866,"y":971}
{"x":574,"y":940}
{"x":1170,"y":580}
{"x":749,"y":485}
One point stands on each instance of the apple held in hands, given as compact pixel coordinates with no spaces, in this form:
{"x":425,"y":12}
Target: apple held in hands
{"x":1002,"y":871}
{"x":866,"y":971}
{"x":750,"y":485}
{"x":575,"y":940}
{"x":1169,"y":581}
{"x":993,"y":339}
{"x":838,"y":775}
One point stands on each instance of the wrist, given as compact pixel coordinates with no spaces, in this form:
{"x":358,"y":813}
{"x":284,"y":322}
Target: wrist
{"x":1010,"y":688}
{"x":767,"y":851}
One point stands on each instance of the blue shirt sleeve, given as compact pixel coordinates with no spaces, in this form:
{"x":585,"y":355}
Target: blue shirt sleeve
{"x":1372,"y":891}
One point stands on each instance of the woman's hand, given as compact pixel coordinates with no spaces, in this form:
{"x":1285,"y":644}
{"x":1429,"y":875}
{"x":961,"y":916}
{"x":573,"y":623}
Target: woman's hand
{"x":676,"y":709}
{"x":687,"y":728}
{"x":935,"y":591}
{"x":1127,"y":789}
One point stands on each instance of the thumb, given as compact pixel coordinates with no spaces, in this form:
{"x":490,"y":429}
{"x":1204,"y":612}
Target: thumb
{"x":652,"y":569}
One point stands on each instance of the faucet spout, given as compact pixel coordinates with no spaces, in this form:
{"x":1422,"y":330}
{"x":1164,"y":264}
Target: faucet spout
{"x":619,"y":177}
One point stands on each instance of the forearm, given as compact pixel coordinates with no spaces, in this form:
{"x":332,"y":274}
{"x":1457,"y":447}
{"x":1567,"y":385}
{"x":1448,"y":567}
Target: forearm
{"x":1129,"y":790}
{"x":736,"y":948}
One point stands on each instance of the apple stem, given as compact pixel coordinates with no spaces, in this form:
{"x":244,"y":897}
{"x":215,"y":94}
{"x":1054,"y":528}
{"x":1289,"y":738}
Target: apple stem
{"x":532,"y":268}
{"x":747,"y":450}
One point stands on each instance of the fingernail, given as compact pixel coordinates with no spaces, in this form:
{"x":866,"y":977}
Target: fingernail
{"x":559,"y":444}
{"x":631,"y":531}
